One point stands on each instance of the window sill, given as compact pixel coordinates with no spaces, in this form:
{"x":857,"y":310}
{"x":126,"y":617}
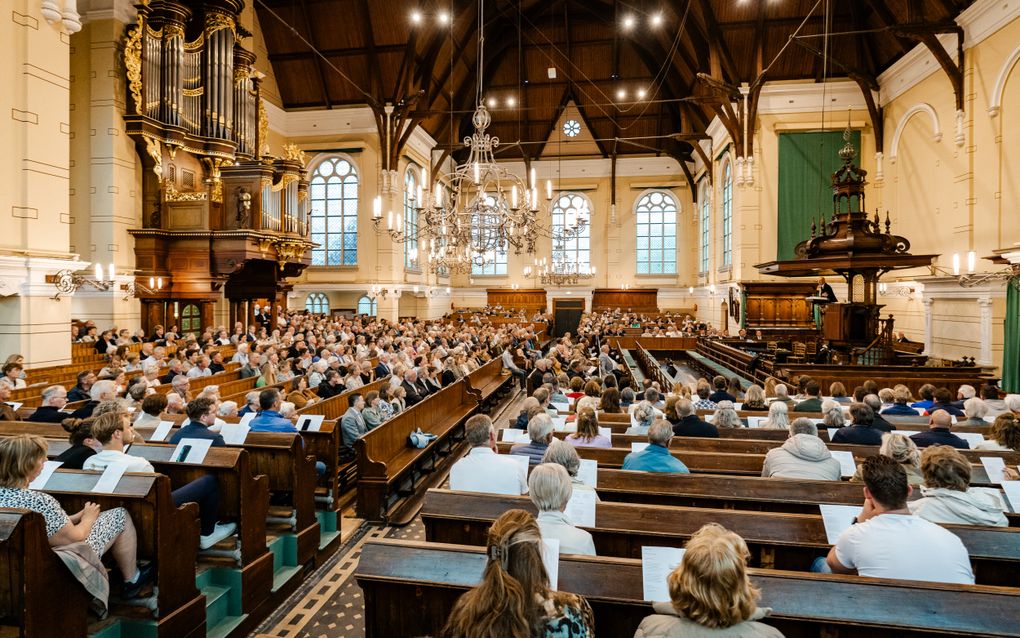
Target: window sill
{"x":335,"y":267}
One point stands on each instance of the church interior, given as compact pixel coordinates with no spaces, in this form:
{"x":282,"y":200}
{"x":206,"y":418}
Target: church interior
{"x":353,"y":232}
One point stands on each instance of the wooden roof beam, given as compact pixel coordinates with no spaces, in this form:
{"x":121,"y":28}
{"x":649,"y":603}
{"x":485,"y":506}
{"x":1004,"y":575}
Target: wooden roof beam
{"x":318,"y":59}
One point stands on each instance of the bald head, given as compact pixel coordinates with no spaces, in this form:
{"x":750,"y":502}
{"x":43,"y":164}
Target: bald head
{"x":941,"y":419}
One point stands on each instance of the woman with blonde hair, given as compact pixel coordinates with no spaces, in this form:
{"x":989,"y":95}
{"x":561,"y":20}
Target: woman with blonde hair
{"x":903,"y":450}
{"x":514,"y":600}
{"x":267,"y":376}
{"x":754,"y":399}
{"x":710,"y":592}
{"x":778,"y":416}
{"x":21,"y":460}
{"x":587,"y":434}
{"x":946,"y":494}
{"x":726,"y":416}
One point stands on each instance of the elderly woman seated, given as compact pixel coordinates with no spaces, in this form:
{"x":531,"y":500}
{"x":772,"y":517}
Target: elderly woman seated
{"x":947,"y":497}
{"x":901,"y":449}
{"x":754,"y":399}
{"x":802,"y":456}
{"x":1004,"y":434}
{"x":975,"y":410}
{"x":540,"y":431}
{"x":564,"y":454}
{"x":726,"y":416}
{"x":779,"y":418}
{"x":710,"y":592}
{"x":21,"y":460}
{"x":550,"y":489}
{"x":642,"y":418}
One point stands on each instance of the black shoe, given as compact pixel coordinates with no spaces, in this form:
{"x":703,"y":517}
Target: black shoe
{"x":145,"y":576}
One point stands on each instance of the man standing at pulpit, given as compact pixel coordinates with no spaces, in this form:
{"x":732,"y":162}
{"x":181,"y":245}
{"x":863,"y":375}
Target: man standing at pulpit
{"x":825,"y":291}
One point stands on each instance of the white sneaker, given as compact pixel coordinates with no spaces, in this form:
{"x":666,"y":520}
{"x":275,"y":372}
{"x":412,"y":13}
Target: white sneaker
{"x":221,"y":531}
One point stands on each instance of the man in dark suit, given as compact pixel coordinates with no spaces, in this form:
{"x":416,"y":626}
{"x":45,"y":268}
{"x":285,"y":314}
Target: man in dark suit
{"x":938,"y":432}
{"x":689,"y":423}
{"x":54,"y":398}
{"x":410,"y":385}
{"x":825,"y":290}
{"x":201,"y":415}
{"x":383,"y":369}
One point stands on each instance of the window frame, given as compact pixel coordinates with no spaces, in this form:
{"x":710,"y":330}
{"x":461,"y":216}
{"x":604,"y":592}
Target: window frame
{"x":585,"y":235}
{"x":323,"y":252}
{"x":669,"y":267}
{"x":317,"y":303}
{"x":705,"y":225}
{"x":373,"y":306}
{"x":412,"y":177}
{"x":726,"y":214}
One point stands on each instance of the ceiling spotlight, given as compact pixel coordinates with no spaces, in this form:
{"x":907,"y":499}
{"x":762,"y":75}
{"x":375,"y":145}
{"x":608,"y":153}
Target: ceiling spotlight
{"x":444,"y":17}
{"x":640,"y":94}
{"x":511,"y":102}
{"x":656,"y":19}
{"x":416,"y":16}
{"x":621,"y":95}
{"x":628,"y":22}
{"x":491,"y":102}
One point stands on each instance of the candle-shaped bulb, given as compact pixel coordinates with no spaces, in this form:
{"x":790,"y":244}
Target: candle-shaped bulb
{"x":377,"y":207}
{"x":477,"y":172}
{"x":389,"y":220}
{"x":418,"y":200}
{"x":548,"y":189}
{"x":152,"y":283}
{"x":159,"y":283}
{"x":971,"y":261}
{"x":532,"y":178}
{"x":513,"y":196}
{"x":99,"y":272}
{"x":956,"y":263}
{"x":110,"y":270}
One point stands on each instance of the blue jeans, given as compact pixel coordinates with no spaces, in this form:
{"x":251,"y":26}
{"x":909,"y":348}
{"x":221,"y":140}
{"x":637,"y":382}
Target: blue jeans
{"x":206,"y":492}
{"x":820,"y":566}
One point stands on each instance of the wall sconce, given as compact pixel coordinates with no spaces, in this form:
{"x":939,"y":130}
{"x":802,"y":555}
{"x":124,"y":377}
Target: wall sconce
{"x":68,"y":282}
{"x":895,"y":291}
{"x":132,"y":288}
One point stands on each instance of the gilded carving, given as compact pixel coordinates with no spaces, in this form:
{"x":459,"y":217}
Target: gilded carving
{"x":216,"y":22}
{"x":193,"y":92}
{"x":292,"y":152}
{"x":171,"y":194}
{"x":133,"y":63}
{"x":287,"y":178}
{"x":156,"y":153}
{"x":263,"y":129}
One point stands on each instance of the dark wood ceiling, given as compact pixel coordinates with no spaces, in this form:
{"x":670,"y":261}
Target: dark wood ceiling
{"x":687,"y":64}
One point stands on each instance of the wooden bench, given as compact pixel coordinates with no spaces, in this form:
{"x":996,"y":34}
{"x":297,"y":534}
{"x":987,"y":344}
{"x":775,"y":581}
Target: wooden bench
{"x":30,"y":575}
{"x":411,"y":587}
{"x":775,"y":540}
{"x":167,"y":535}
{"x":490,"y":383}
{"x":390,"y":472}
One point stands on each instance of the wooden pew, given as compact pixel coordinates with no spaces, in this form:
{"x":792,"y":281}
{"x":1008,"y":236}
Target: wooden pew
{"x":390,"y":472}
{"x":167,"y":535}
{"x":30,"y":572}
{"x":489,"y":383}
{"x":776,"y":540}
{"x":411,"y":587}
{"x":792,"y":496}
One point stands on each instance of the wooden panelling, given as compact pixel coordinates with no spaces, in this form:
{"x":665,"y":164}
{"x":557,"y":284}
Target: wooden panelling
{"x":530,"y":300}
{"x":644,"y":300}
{"x":778,"y":304}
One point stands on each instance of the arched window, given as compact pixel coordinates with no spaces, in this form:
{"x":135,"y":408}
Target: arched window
{"x":727,"y":215}
{"x":366,"y":306}
{"x":703,"y":202}
{"x":567,"y":209}
{"x":495,"y":260}
{"x":317,"y":303}
{"x":334,"y":196}
{"x":656,"y":214}
{"x":411,"y":218}
{"x":191,"y":319}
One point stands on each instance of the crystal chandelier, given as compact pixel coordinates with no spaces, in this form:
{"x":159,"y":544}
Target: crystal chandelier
{"x":478,"y":210}
{"x":560,"y":273}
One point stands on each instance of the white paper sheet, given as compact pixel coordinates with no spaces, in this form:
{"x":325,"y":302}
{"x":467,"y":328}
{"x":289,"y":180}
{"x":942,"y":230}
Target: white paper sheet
{"x":247,"y":418}
{"x":510,"y":435}
{"x":107,"y":483}
{"x":47,"y":471}
{"x":1012,"y":489}
{"x":657,"y":563}
{"x":709,"y":418}
{"x":191,"y":451}
{"x":606,"y":432}
{"x":994,"y":467}
{"x":637,"y":447}
{"x":847,"y":465}
{"x":551,"y":560}
{"x":162,"y":430}
{"x":14,"y":405}
{"x":973,"y":438}
{"x":837,"y":519}
{"x":832,"y":432}
{"x":234,"y":433}
{"x":755,"y":421}
{"x":738,"y":406}
{"x":559,"y":423}
{"x":310,"y":422}
{"x":581,"y":508}
{"x":588,"y":472}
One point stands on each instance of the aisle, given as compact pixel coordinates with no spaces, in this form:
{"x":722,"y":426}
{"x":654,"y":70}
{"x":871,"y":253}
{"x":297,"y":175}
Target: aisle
{"x":329,"y":604}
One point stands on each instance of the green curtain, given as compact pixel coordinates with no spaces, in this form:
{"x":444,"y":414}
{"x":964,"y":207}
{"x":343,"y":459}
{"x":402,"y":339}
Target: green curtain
{"x":1011,"y":345}
{"x":806,"y":164}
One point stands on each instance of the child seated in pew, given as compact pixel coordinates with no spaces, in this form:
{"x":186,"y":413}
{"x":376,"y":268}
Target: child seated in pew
{"x":710,"y":593}
{"x":21,"y":460}
{"x":514,"y":600}
{"x":113,"y":429}
{"x":888,"y":541}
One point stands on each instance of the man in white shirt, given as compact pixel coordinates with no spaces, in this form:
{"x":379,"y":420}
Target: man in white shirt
{"x":200,"y":370}
{"x":887,"y":541}
{"x":550,"y":491}
{"x":482,"y":470}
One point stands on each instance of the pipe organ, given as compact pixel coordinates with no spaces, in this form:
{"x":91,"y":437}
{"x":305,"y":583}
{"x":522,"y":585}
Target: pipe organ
{"x":221,"y":216}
